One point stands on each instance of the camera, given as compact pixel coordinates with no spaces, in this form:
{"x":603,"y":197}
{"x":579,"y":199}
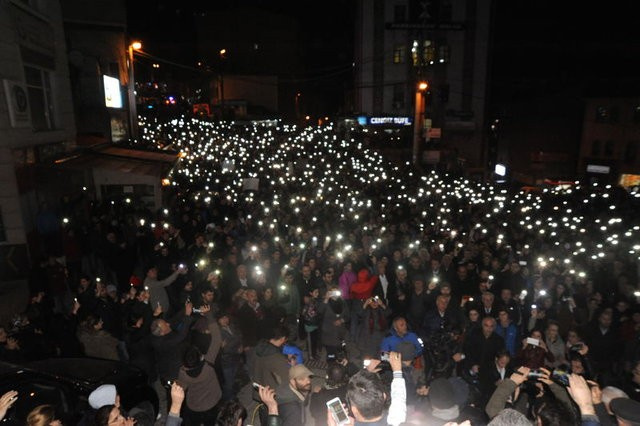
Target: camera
{"x":534,"y":374}
{"x":577,"y":347}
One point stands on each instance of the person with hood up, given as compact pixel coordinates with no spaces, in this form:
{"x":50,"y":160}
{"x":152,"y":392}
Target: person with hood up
{"x":335,"y":314}
{"x":197,"y":374}
{"x":360,"y":291}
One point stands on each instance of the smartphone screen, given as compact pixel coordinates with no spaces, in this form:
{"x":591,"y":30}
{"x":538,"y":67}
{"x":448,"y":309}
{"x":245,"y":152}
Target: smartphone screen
{"x":335,"y":405}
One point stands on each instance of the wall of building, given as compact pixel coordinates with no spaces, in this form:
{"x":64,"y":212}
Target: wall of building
{"x":456,"y":99}
{"x":31,"y":33}
{"x":611,"y":135}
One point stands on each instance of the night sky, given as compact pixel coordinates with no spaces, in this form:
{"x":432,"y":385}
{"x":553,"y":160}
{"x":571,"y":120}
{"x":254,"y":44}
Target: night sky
{"x":539,"y":48}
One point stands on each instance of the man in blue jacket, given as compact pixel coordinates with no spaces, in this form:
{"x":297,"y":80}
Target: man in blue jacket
{"x":400,"y":333}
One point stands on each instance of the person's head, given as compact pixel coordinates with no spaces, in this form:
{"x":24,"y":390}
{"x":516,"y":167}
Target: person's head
{"x":152,"y":273}
{"x":106,"y":394}
{"x":207,"y":295}
{"x":552,"y":412}
{"x":231,"y":413}
{"x":327,"y":276}
{"x":160,"y":327}
{"x":223,"y":320}
{"x":502,"y":359}
{"x":506,"y":294}
{"x":401,"y":274}
{"x":474,"y":315}
{"x":604,"y":319}
{"x":43,"y":415}
{"x":306,"y":272}
{"x":300,"y":378}
{"x":366,"y":396}
{"x":142,"y":294}
{"x":241,"y":270}
{"x":267,"y":293}
{"x":552,"y":330}
{"x":418,"y":285}
{"x":400,"y":326}
{"x":487,"y":299}
{"x":577,"y":366}
{"x":503,"y":317}
{"x":442,"y":302}
{"x":279,"y":336}
{"x":462,"y":272}
{"x":510,"y":417}
{"x":336,"y":375}
{"x":610,"y":393}
{"x":251,"y":296}
{"x":445,"y":289}
{"x":488,"y":325}
{"x":573,"y":337}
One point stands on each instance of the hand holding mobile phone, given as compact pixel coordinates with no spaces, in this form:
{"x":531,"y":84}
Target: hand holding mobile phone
{"x":338,"y":413}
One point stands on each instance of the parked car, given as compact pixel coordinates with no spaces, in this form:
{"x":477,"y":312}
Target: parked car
{"x":67,"y":382}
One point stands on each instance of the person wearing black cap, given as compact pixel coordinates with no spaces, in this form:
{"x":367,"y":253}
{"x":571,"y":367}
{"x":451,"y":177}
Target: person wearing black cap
{"x":626,"y":410}
{"x":334,"y":387}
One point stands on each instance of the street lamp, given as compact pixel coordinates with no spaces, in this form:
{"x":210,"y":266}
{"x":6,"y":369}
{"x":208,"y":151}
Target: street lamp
{"x":133,"y":116}
{"x":418,"y":120}
{"x":223,"y":56}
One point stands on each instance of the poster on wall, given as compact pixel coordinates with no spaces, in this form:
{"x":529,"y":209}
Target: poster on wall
{"x":112,"y":92}
{"x":18,"y":103}
{"x":118,"y":129}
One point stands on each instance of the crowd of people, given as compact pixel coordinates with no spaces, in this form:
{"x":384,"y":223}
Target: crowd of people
{"x":298,"y":263}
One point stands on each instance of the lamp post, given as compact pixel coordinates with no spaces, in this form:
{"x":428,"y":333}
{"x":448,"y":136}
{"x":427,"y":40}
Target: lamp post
{"x":418,"y":119}
{"x":223,"y":56}
{"x":133,"y":115}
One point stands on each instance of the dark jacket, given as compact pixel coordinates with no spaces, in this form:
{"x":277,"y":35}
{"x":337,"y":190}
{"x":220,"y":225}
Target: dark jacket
{"x":480,"y":350}
{"x":271,"y":367}
{"x":291,"y":408}
{"x":318,"y":404}
{"x":168,"y":349}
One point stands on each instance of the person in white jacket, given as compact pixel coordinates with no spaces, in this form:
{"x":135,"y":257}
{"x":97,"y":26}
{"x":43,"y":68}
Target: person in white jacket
{"x":367,"y":396}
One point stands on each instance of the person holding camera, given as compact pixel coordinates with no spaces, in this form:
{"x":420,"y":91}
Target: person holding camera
{"x":335,"y":315}
{"x":372,"y":325}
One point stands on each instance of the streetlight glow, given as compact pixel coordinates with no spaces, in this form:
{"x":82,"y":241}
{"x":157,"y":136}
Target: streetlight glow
{"x":136,"y":45}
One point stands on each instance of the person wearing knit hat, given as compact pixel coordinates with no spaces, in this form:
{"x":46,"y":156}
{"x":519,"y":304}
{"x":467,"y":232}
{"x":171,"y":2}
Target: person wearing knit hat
{"x":104,"y":395}
{"x":626,"y":410}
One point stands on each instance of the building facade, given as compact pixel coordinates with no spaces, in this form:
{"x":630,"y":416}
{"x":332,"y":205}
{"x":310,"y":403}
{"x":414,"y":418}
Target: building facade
{"x":444,"y":42}
{"x":610,"y":143}
{"x":36,"y":120}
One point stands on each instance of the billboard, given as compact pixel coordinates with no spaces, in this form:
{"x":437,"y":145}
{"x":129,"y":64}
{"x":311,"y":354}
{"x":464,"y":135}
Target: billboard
{"x":112,"y":92}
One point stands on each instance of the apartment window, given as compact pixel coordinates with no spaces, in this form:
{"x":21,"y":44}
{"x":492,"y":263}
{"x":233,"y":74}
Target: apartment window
{"x":446,"y":11}
{"x":400,"y":13}
{"x":596,"y":148}
{"x":398,"y":96}
{"x":443,"y":54}
{"x":602,"y":114}
{"x":609,"y":147}
{"x":415,"y":58}
{"x":631,"y":152}
{"x":429,"y":52}
{"x":398,"y":55}
{"x":38,"y":83}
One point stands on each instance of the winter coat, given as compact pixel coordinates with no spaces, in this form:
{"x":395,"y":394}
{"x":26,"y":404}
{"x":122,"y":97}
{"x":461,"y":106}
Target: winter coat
{"x":333,"y":310}
{"x":363,"y":287}
{"x":271,"y":367}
